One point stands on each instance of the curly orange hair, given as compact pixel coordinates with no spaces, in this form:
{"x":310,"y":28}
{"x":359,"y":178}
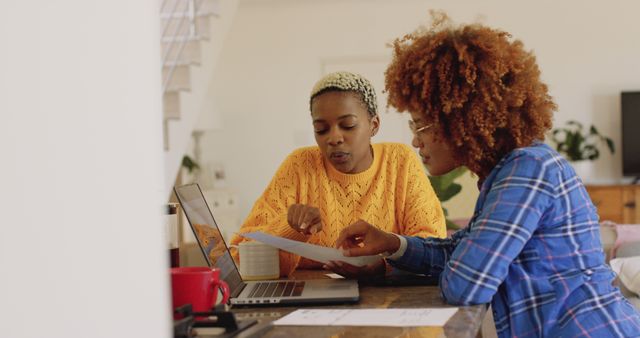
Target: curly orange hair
{"x":481,"y":90}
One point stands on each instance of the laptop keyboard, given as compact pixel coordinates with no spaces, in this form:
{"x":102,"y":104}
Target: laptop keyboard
{"x":276,"y":289}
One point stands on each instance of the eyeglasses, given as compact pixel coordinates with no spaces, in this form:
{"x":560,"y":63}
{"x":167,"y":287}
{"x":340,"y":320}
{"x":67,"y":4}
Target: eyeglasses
{"x":415,"y":129}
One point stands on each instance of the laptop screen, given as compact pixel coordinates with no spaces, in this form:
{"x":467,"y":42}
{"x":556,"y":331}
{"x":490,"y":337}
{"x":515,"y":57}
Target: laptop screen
{"x":208,"y":234}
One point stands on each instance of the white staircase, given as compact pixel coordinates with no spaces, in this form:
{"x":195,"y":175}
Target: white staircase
{"x":193,"y":33}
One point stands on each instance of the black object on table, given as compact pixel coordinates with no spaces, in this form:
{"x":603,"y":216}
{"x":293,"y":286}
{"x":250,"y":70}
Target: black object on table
{"x":184,"y":327}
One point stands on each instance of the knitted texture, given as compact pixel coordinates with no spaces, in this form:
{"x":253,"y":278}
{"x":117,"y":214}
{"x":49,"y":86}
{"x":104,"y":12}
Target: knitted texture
{"x":394,"y":194}
{"x":348,"y":82}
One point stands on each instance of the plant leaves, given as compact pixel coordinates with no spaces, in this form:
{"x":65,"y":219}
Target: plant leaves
{"x":450,"y":225}
{"x":445,"y":189}
{"x":576,"y":124}
{"x":576,"y":145}
{"x":449,"y":192}
{"x":591,"y":152}
{"x":189,"y":163}
{"x":573,"y":146}
{"x":610,"y":145}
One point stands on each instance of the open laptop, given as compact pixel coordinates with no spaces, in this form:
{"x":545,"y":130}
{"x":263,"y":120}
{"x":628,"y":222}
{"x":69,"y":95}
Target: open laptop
{"x":271,"y":292}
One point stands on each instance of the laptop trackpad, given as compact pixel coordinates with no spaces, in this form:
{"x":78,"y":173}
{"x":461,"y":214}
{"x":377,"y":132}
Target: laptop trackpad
{"x":329,"y":288}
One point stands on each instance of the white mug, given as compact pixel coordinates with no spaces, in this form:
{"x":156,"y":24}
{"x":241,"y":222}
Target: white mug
{"x":258,"y":261}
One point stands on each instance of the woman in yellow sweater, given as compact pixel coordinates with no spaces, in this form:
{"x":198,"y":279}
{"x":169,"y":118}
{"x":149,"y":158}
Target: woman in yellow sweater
{"x":318,"y":191}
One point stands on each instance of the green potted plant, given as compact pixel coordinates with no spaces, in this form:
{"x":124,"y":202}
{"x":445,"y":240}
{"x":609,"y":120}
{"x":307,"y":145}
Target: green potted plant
{"x":189,"y":164}
{"x":192,"y":169}
{"x":445,"y":188}
{"x":578,"y":144}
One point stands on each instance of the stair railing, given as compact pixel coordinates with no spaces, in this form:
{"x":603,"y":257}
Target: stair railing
{"x":173,"y":39}
{"x":175,"y":42}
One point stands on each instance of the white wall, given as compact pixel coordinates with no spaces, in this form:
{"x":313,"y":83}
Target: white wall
{"x":81,"y":246}
{"x":588,"y":52}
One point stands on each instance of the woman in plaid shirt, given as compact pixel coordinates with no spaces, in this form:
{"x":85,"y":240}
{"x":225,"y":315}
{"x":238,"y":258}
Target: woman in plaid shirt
{"x":532,"y":248}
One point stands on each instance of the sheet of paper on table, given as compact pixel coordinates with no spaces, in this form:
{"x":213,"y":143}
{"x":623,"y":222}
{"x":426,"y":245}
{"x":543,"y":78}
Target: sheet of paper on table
{"x":369,"y":317}
{"x":317,"y":253}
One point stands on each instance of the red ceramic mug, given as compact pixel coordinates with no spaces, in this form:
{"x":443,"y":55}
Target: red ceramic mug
{"x":197,"y":286}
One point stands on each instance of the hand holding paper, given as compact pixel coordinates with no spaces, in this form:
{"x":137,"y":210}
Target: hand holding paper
{"x":311,"y":251}
{"x":362,"y":238}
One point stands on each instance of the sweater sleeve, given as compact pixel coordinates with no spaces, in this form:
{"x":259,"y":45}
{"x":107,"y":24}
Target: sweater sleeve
{"x":421,"y":212}
{"x":269,"y":213}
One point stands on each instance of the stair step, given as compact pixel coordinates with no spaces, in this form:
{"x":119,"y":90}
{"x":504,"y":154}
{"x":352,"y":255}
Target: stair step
{"x":180,"y":63}
{"x":178,"y":39}
{"x":181,"y":27}
{"x":180,"y":78}
{"x":171,"y":52}
{"x":177,"y":89}
{"x":178,"y":15}
{"x":171,"y":105}
{"x":211,"y":7}
{"x":188,"y":46}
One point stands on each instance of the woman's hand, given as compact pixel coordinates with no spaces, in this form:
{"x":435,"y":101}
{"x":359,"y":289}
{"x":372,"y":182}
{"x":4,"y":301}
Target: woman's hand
{"x":304,"y":218}
{"x":354,"y":272}
{"x":363,"y":239}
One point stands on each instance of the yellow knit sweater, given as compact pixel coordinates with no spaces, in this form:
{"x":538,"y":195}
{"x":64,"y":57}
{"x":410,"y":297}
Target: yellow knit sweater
{"x":394,"y":194}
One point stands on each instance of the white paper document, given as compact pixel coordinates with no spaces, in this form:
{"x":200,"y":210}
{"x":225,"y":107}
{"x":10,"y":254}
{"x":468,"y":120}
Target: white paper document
{"x":369,"y":317}
{"x":311,"y":251}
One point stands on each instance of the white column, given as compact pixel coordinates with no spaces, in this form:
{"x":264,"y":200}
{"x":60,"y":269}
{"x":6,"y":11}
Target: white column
{"x":81,"y":174}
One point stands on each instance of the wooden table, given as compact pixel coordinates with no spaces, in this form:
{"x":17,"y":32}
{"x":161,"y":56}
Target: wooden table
{"x":465,"y":323}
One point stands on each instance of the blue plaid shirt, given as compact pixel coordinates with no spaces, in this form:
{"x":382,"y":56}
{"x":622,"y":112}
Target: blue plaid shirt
{"x":533,"y":250}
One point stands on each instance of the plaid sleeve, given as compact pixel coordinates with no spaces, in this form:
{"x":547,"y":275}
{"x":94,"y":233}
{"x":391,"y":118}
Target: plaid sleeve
{"x":511,"y":212}
{"x":427,"y":255}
